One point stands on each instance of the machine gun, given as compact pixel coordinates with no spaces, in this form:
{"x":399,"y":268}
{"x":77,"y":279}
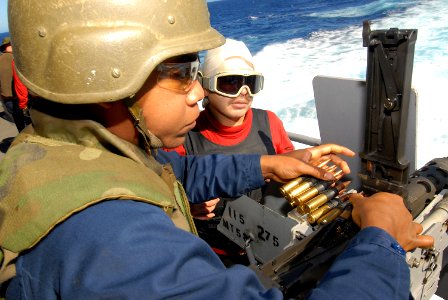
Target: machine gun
{"x":294,"y":252}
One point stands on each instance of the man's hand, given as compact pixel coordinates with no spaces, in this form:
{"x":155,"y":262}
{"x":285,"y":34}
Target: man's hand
{"x":388,"y":212}
{"x":203,"y":211}
{"x":296,"y":163}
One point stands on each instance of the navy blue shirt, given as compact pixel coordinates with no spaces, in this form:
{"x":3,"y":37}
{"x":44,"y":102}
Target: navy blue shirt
{"x":132,"y":250}
{"x":211,"y":176}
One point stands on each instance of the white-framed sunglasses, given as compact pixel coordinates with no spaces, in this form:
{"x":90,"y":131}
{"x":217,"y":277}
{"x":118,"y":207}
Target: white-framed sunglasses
{"x":231,"y":84}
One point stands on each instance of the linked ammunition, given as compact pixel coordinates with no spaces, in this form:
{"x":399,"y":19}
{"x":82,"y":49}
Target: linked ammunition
{"x":330,"y":216}
{"x":314,"y":215}
{"x":286,"y":188}
{"x":301,"y":189}
{"x":317,"y":188}
{"x":338,"y":175}
{"x":296,"y":191}
{"x":330,"y":169}
{"x":323,"y":163}
{"x":299,"y":209}
{"x":344,"y":196}
{"x":347,"y":212}
{"x":336,"y":212}
{"x":312,"y":192}
{"x":324,"y":197}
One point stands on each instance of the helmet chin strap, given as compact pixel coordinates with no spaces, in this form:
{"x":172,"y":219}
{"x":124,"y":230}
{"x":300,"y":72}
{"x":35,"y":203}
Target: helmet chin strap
{"x":150,"y":140}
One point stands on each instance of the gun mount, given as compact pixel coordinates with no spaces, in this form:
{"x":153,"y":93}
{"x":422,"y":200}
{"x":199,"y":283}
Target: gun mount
{"x":389,"y":72}
{"x":294,"y":251}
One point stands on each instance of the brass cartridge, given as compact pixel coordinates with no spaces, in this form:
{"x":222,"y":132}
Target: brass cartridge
{"x":344,"y":197}
{"x":343,"y":210}
{"x":331,"y":169}
{"x":316,"y":202}
{"x":312,"y":192}
{"x":299,"y":209}
{"x":347,"y":212}
{"x":330,"y":216}
{"x":324,"y":197}
{"x":314,"y":215}
{"x":338,"y":175}
{"x":296,"y":191}
{"x":323,"y":163}
{"x":284,"y":189}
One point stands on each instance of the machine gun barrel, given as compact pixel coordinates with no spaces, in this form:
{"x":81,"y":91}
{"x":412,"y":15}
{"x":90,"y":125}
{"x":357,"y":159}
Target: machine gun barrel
{"x":440,"y":214}
{"x":425,"y":183}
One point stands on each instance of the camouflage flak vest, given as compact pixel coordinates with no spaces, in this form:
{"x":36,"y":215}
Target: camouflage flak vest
{"x":44,"y":181}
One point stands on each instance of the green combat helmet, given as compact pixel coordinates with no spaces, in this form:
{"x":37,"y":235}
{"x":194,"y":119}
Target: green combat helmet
{"x":101,"y":51}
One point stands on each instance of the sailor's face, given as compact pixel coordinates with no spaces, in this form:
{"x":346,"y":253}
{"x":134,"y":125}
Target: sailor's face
{"x":229,"y":110}
{"x":170,"y":113}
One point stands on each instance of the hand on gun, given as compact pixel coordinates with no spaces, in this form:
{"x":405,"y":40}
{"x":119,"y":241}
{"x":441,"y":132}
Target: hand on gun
{"x":388,"y":212}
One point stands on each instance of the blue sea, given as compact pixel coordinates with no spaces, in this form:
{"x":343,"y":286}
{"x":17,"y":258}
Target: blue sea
{"x":294,"y":40}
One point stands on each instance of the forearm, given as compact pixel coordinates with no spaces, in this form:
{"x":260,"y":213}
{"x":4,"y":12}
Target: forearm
{"x":210,"y":176}
{"x":371,"y":267}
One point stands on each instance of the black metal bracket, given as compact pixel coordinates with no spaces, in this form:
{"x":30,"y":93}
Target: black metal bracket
{"x":389,"y":74}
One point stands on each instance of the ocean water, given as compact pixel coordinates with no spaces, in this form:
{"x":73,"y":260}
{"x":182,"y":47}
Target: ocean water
{"x":294,"y":40}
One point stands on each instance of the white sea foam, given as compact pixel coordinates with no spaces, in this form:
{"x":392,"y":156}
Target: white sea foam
{"x":289,"y":68}
{"x":363,"y":10}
